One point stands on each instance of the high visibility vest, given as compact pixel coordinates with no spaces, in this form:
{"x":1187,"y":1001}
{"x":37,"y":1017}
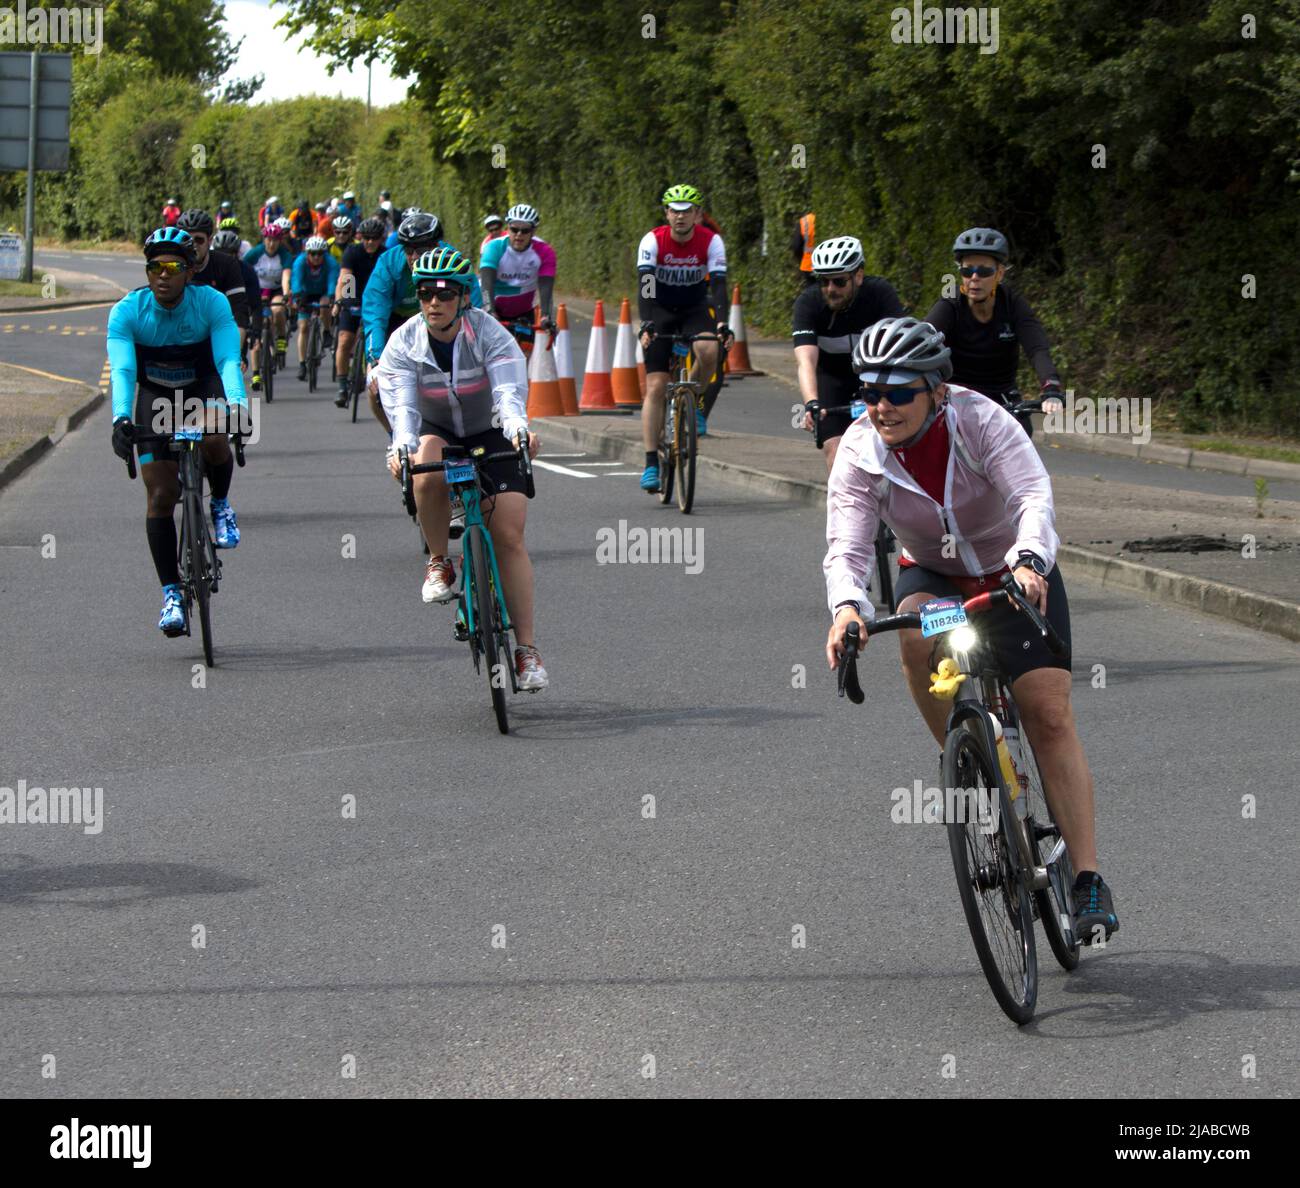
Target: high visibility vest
{"x":808,"y":229}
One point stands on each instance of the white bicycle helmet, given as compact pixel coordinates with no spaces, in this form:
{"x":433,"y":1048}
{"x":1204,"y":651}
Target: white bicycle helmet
{"x":316,"y":244}
{"x":342,"y":223}
{"x":523,"y":213}
{"x":901,"y":344}
{"x":833,"y":256}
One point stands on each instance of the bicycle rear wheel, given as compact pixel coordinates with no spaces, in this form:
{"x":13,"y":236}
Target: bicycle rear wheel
{"x":268,"y":358}
{"x":313,"y":353}
{"x":684,"y":447}
{"x":992,"y":895}
{"x":485,"y":614}
{"x":1055,"y":903}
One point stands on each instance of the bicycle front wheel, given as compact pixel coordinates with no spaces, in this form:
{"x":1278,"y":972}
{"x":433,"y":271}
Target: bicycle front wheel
{"x":993,"y":896}
{"x":358,"y":376}
{"x":313,"y":354}
{"x":268,"y":359}
{"x":487,"y":619}
{"x":667,"y":451}
{"x":194,"y":529}
{"x":685,"y":448}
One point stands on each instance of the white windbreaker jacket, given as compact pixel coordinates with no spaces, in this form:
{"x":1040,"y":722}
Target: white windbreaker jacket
{"x":488,"y":383}
{"x":997,"y":501}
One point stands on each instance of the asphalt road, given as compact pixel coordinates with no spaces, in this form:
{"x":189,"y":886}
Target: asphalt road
{"x":625,"y":936}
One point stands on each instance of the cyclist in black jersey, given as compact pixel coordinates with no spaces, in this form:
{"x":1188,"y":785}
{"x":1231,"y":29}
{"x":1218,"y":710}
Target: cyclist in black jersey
{"x":988,"y":324}
{"x":828,"y":319}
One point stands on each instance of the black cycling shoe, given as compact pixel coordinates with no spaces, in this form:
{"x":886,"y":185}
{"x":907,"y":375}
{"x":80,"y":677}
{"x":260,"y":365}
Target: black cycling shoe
{"x":1093,"y":909}
{"x":343,"y":399}
{"x":302,"y":372}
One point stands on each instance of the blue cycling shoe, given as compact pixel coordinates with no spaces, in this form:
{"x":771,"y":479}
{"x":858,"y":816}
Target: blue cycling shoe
{"x":650,"y":478}
{"x":224,"y":523}
{"x":1093,"y":910}
{"x":172,"y":622}
{"x":701,"y":424}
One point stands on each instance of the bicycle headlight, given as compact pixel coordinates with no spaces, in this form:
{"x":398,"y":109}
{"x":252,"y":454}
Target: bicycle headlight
{"x":962,"y":639}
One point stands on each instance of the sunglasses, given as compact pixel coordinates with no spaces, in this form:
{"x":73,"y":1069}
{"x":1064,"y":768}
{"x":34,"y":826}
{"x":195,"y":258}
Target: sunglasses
{"x":440,"y":294}
{"x":316,"y":255}
{"x":164,"y":267}
{"x":520,"y":230}
{"x":835,"y":282}
{"x":898,"y":397}
{"x":977,"y":270}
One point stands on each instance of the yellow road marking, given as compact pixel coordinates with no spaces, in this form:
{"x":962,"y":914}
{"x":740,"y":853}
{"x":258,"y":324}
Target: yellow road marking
{"x":64,"y":379}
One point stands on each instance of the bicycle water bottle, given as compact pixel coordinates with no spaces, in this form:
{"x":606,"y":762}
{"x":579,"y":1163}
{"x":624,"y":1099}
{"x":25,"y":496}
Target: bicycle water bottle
{"x":1009,"y":773}
{"x":1011,"y":735}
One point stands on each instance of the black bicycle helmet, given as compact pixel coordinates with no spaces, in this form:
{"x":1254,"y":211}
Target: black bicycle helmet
{"x":196,"y":220}
{"x":372,"y":227}
{"x":419,"y":230}
{"x":225,"y":241}
{"x":984,"y":240}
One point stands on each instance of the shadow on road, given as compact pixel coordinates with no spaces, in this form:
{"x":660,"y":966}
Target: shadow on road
{"x":111,"y":884}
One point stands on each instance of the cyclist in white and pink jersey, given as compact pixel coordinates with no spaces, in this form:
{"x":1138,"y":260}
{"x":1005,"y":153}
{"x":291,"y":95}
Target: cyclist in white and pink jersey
{"x":517,"y":271}
{"x":673,"y":297}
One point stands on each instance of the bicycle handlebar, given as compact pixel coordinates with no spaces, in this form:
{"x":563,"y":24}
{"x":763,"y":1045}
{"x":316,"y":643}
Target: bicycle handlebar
{"x":146,"y":439}
{"x":410,"y":469}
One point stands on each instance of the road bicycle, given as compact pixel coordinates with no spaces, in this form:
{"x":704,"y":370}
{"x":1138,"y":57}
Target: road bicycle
{"x":884,"y":577}
{"x":679,"y":441}
{"x":1010,"y":859}
{"x":357,"y":371}
{"x":315,"y":342}
{"x":268,"y":364}
{"x":200,"y":567}
{"x":481,"y":615}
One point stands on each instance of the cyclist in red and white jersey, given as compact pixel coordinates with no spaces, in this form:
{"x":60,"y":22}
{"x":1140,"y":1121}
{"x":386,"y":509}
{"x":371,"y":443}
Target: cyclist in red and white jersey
{"x":673,"y":297}
{"x":965,"y":492}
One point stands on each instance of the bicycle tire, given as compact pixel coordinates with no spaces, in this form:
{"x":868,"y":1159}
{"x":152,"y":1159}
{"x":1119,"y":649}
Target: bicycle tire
{"x":667,"y":456}
{"x":194,"y":529}
{"x":993,"y":898}
{"x":485,"y":614}
{"x":357,"y":374}
{"x":1055,"y":901}
{"x":313,"y":353}
{"x":268,"y":359}
{"x":685,"y":448}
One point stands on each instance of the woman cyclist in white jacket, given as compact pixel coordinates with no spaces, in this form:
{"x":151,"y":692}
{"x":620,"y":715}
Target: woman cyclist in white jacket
{"x":961,"y":485}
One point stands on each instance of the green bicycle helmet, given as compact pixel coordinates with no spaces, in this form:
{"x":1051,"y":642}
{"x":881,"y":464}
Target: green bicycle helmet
{"x":228,"y":224}
{"x":683,"y":193}
{"x":443,"y":263}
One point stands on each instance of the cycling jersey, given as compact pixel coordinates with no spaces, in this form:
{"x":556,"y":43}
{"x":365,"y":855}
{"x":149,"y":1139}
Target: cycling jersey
{"x":482,"y":247}
{"x":390,"y":293}
{"x":223,"y":273}
{"x":488,"y":380}
{"x":337,"y":249}
{"x":997,"y":501}
{"x":361,"y":264}
{"x":303,"y":223}
{"x":194,"y":343}
{"x":680,"y":268}
{"x":984,"y":354}
{"x":314,"y":282}
{"x":834,"y":332}
{"x":517,"y":273}
{"x":268,"y":268}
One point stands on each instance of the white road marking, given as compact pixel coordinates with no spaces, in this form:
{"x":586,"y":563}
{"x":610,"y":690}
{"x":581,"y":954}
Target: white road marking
{"x":600,"y":463}
{"x":622,"y":474}
{"x":562,"y":469}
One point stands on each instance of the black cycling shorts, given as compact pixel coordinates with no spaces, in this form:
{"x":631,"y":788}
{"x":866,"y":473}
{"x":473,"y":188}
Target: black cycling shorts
{"x":502,"y":475}
{"x":835,"y":393}
{"x":159,"y":410}
{"x":667,"y":322}
{"x":1016,"y":643}
{"x":350,"y":317}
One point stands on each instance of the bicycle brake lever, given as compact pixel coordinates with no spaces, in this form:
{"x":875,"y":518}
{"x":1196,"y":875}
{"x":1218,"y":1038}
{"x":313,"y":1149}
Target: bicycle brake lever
{"x":848,"y":673}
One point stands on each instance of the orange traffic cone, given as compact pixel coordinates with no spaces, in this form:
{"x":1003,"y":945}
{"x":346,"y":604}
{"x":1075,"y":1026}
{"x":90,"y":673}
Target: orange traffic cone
{"x":597,"y":395}
{"x":622,"y":375}
{"x":564,"y":362}
{"x":543,"y":383}
{"x":640,"y":367}
{"x":738,"y":357}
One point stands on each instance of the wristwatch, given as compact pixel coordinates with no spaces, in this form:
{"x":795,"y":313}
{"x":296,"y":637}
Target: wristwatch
{"x":1034,"y":561}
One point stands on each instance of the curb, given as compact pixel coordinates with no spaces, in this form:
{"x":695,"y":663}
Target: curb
{"x":27,"y":458}
{"x":1248,"y":609}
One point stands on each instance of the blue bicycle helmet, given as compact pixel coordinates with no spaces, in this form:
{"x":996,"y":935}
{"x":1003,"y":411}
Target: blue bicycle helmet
{"x":170,"y":241}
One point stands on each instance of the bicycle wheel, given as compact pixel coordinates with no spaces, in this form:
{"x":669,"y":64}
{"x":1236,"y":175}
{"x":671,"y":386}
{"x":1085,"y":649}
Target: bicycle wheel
{"x":268,"y":358}
{"x":357,"y":376}
{"x":197,"y":544}
{"x":993,"y":897}
{"x":485,"y":614}
{"x":313,"y":353}
{"x":667,"y":456}
{"x":1054,"y":903}
{"x":685,"y":449}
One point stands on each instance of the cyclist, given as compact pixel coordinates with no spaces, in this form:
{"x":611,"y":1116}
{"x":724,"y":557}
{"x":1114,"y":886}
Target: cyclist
{"x":516,"y":268}
{"x":269,"y":211}
{"x":349,"y":207}
{"x":828,"y":317}
{"x":389,"y":298}
{"x":216,"y":269}
{"x":450,"y":377}
{"x":273,"y":265}
{"x":344,"y":231}
{"x":673,"y":298}
{"x":967,"y":495}
{"x":227,"y":242}
{"x":302,"y":226}
{"x":355,"y":267}
{"x":171,"y":211}
{"x":986,"y":322}
{"x":232,"y":224}
{"x":494,"y":228}
{"x":315,"y":277}
{"x":225,"y":210}
{"x":321,"y":219}
{"x":386,"y":202}
{"x":166,"y":336}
